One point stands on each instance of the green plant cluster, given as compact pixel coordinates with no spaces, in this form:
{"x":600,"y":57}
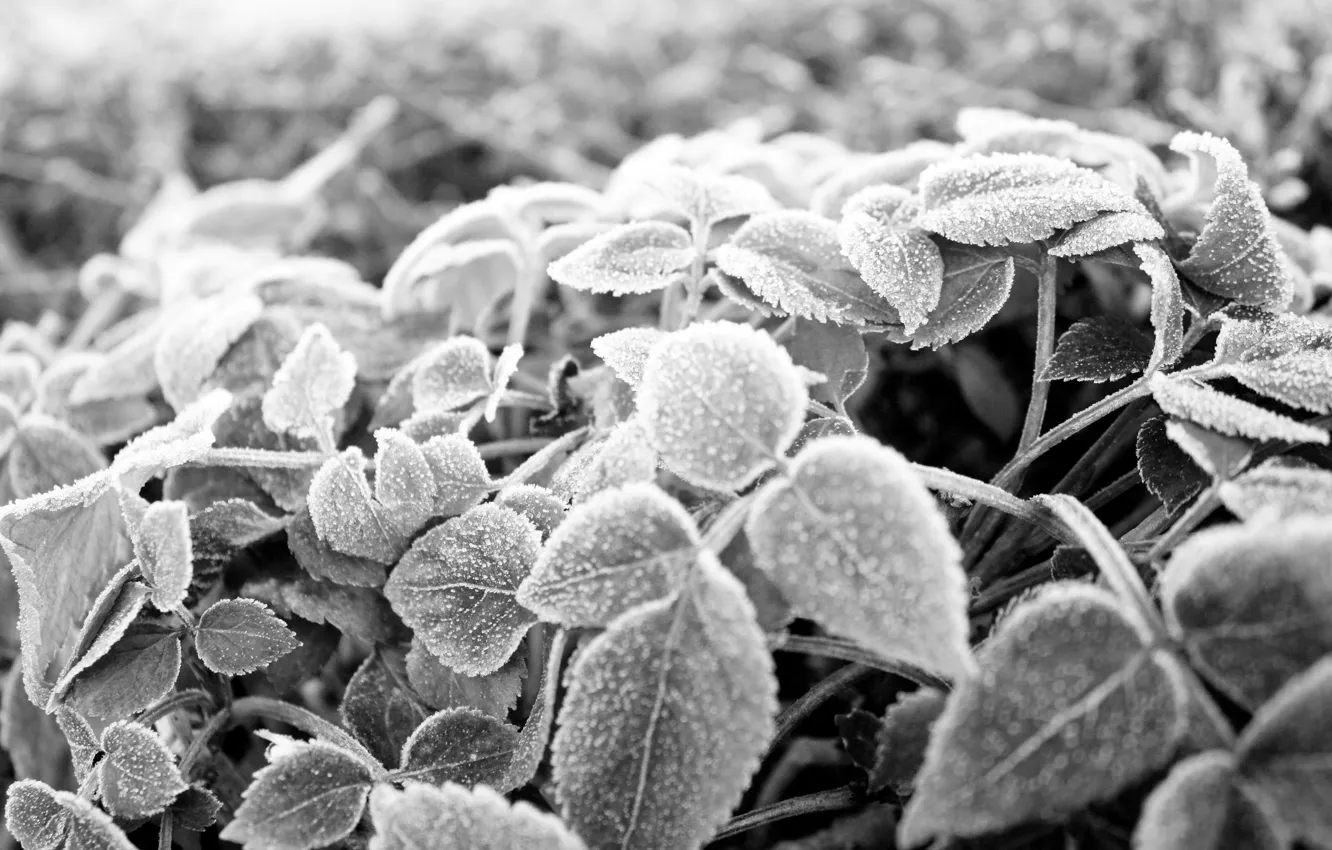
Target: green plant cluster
{"x":504,"y":551}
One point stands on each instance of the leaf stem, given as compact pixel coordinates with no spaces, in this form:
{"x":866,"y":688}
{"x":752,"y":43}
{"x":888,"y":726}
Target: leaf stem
{"x":987,"y":494}
{"x":809,"y":702}
{"x":215,"y":724}
{"x":844,"y":650}
{"x":541,"y":458}
{"x":727,"y":524}
{"x":515,"y":446}
{"x":1047,"y":294}
{"x":1203,"y":506}
{"x":259,"y":458}
{"x":173,"y":702}
{"x":303,"y":719}
{"x":846,"y":797}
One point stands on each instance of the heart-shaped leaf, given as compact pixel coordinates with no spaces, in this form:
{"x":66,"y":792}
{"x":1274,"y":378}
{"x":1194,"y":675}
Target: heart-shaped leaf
{"x":1200,"y":804}
{"x":138,"y":775}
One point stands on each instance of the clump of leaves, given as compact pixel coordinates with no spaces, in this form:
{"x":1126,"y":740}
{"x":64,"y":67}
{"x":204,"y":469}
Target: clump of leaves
{"x":301,"y":561}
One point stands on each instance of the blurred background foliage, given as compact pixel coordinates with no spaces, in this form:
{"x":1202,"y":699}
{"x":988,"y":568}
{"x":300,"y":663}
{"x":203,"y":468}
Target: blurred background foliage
{"x":99,"y":101}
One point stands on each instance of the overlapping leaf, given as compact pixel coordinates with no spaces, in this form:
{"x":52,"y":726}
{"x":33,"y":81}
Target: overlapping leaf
{"x":452,"y":375}
{"x":1201,"y":804}
{"x":346,"y":514}
{"x":1167,"y":309}
{"x":1200,"y":403}
{"x":461,"y":745}
{"x":440,"y":688}
{"x":190,"y":344}
{"x":976,"y":284}
{"x":138,"y":776}
{"x":313,"y":383}
{"x":165,"y":552}
{"x":1166,"y":469}
{"x":897,"y":260}
{"x":46,"y":454}
{"x":452,"y":817}
{"x":461,"y":478}
{"x":707,"y":199}
{"x":42,"y":818}
{"x":1102,"y":348}
{"x":1280,"y":489}
{"x":139,"y":669}
{"x":380,"y":709}
{"x":638,"y":257}
{"x":237,"y":636}
{"x":626,"y":351}
{"x":1106,"y":231}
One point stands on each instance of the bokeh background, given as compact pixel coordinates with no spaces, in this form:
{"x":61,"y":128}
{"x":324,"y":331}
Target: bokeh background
{"x":100,"y":99}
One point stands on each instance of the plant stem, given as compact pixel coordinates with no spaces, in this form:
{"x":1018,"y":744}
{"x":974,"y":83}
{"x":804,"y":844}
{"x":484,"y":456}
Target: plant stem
{"x":809,"y":702}
{"x":846,"y":797}
{"x":515,"y":446}
{"x":259,"y":458}
{"x":1047,"y":294}
{"x":696,"y":285}
{"x":541,"y":458}
{"x":165,"y":829}
{"x":1202,"y":507}
{"x":293,"y":715}
{"x":727,"y":524}
{"x":987,"y":494}
{"x":177,"y":700}
{"x":215,"y":724}
{"x":996,"y":596}
{"x":1113,"y":490}
{"x":844,"y":650}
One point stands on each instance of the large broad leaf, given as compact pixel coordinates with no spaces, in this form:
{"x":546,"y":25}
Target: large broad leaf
{"x":1200,"y":805}
{"x":1285,"y":756}
{"x":1200,"y":403}
{"x":638,"y":257}
{"x":44,"y":819}
{"x":456,"y":587}
{"x":997,"y":199}
{"x":1237,"y":254}
{"x":35,"y":742}
{"x":1071,"y":707}
{"x":667,"y":714}
{"x":1279,"y":489}
{"x":793,"y":260}
{"x":721,"y":402}
{"x":855,"y":542}
{"x":452,"y":817}
{"x":311,"y":796}
{"x":1102,"y":348}
{"x":976,"y":284}
{"x":619,"y":549}
{"x":707,"y":199}
{"x":460,"y":745}
{"x":1252,"y":604}
{"x":138,"y":776}
{"x":46,"y":454}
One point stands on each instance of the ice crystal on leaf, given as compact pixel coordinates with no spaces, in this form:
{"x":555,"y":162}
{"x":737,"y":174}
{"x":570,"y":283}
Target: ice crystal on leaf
{"x":638,"y":257}
{"x":190,"y":346}
{"x":976,"y":285}
{"x":238,"y":636}
{"x":626,"y":351}
{"x":422,"y":815}
{"x":708,"y":199}
{"x":313,"y":383}
{"x":162,"y":544}
{"x":138,"y":776}
{"x":1280,"y":489}
{"x":1200,"y":403}
{"x":346,"y":514}
{"x":452,"y":375}
{"x":898,"y":261}
{"x":42,"y":818}
{"x":1106,"y":231}
{"x":1102,"y":348}
{"x":461,"y":745}
{"x":1167,"y":310}
{"x":898,"y":168}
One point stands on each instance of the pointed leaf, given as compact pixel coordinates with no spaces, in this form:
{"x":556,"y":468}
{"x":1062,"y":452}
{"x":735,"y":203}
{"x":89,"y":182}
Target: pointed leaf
{"x":996,"y":199}
{"x":165,"y":553}
{"x":1302,"y":379}
{"x":1252,"y":604}
{"x":625,"y":456}
{"x":379,"y":708}
{"x":117,"y":606}
{"x":84,"y":748}
{"x":452,"y":375}
{"x":136,"y":672}
{"x":721,"y":402}
{"x":456,"y":587}
{"x":404,"y":482}
{"x":1106,"y":231}
{"x":835,"y":351}
{"x":1167,"y":309}
{"x":793,"y":260}
{"x":1103,"y":348}
{"x":1167,"y":470}
{"x":424,"y":816}
{"x":626,"y":351}
{"x":977,"y":282}
{"x":536,"y":504}
{"x":238,"y":636}
{"x":459,"y":745}
{"x":638,"y":257}
{"x":190,"y":344}
{"x":1070,"y":708}
{"x":1237,"y":254}
{"x":856,"y":543}
{"x":313,"y":383}
{"x":1200,"y":403}
{"x":439,"y":687}
{"x":139,"y":777}
{"x":534,"y":739}
{"x":903,"y":737}
{"x":1200,"y":805}
{"x":619,"y":549}
{"x":346,"y":514}
{"x":180,"y":441}
{"x":1284,"y":491}
{"x":707,"y":199}
{"x":311,"y":797}
{"x":320,"y":561}
{"x":666,"y":716}
{"x":1219,"y":455}
{"x":506,"y":366}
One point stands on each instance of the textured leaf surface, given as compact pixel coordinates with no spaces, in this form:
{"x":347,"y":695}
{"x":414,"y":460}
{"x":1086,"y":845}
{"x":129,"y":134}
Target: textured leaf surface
{"x":899,"y":262}
{"x":1107,"y":231}
{"x":165,"y":552}
{"x":237,"y":636}
{"x":461,"y":478}
{"x":345,"y":512}
{"x":1102,"y":348}
{"x":626,"y":351}
{"x":1219,"y":455}
{"x":45,"y":819}
{"x":461,"y":745}
{"x":793,"y":260}
{"x":452,"y":375}
{"x":115,"y":608}
{"x":536,"y":504}
{"x":534,"y":739}
{"x":1199,"y":805}
{"x":667,"y":713}
{"x":1285,"y":491}
{"x":310,"y":797}
{"x":138,"y":670}
{"x":46,"y":454}
{"x":1069,"y":708}
{"x":625,"y":456}
{"x":494,"y":693}
{"x":404,"y":482}
{"x":903,"y":737}
{"x":321,"y":561}
{"x":456,"y":587}
{"x":1000,"y":198}
{"x":977,"y":283}
{"x":139,"y":777}
{"x":1302,"y":379}
{"x":190,"y":345}
{"x":452,"y":817}
{"x":638,"y":257}
{"x":1237,"y":254}
{"x":707,"y":199}
{"x":1197,"y":402}
{"x":1252,"y":603}
{"x":721,"y":402}
{"x":380,"y":709}
{"x":1167,"y":470}
{"x":836,"y":351}
{"x":855,"y":542}
{"x":313,"y":383}
{"x":619,"y":549}
{"x":178,"y":442}
{"x":1167,"y":310}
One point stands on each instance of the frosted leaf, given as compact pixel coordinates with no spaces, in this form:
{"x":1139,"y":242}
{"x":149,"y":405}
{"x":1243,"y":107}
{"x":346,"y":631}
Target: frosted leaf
{"x":902,"y":738}
{"x":619,"y":549}
{"x":1106,"y":231}
{"x":1302,"y":379}
{"x":19,"y":373}
{"x":456,"y":587}
{"x":379,"y":710}
{"x":536,"y":504}
{"x":459,"y":745}
{"x":506,"y":365}
{"x":321,"y":561}
{"x":461,"y":477}
{"x":1221,"y":456}
{"x":707,"y":199}
{"x":835,"y":351}
{"x":1201,"y":805}
{"x":721,"y":402}
{"x":626,"y":351}
{"x":461,"y":263}
{"x":358,"y":612}
{"x":312,"y":796}
{"x":1167,"y":309}
{"x":1167,"y":470}
{"x":997,"y":199}
{"x":667,"y":714}
{"x":1237,"y":254}
{"x":558,"y":240}
{"x":439,"y":687}
{"x":899,"y":262}
{"x":176,"y":443}
{"x":138,"y":776}
{"x":423,"y":427}
{"x":551,"y":201}
{"x":793,"y":260}
{"x":84,"y":747}
{"x":166,"y":556}
{"x":1252,"y":604}
{"x":857,"y":543}
{"x":42,"y":818}
{"x":404,"y":482}
{"x":1197,"y":402}
{"x":128,"y":368}
{"x":115,"y":608}
{"x":1256,"y":341}
{"x":626,"y":456}
{"x":1284,"y":755}
{"x":239,"y":636}
{"x":476,"y":221}
{"x":46,"y":453}
{"x":976,"y":285}
{"x":534,"y":739}
{"x":193,"y":340}
{"x":345,"y":513}
{"x":898,"y":168}
{"x":738,"y":291}
{"x":452,"y":375}
{"x":137,"y":671}
{"x":1069,"y":708}
{"x":1284,"y":491}
{"x":1102,"y":348}
{"x":421,"y":816}
{"x":312,"y":385}
{"x":638,"y":257}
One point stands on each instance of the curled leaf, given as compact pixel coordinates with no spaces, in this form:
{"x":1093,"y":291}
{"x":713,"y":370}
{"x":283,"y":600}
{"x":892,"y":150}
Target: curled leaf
{"x":1200,"y":403}
{"x":452,"y":375}
{"x":1106,"y":231}
{"x":899,"y":262}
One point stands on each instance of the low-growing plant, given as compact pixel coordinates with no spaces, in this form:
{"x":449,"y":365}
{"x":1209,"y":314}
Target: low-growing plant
{"x":302,"y":561}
